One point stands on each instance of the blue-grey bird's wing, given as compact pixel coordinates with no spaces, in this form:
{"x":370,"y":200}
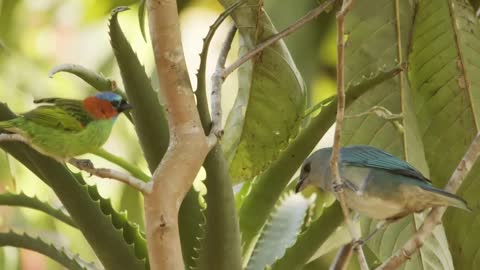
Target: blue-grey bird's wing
{"x":371,"y":157}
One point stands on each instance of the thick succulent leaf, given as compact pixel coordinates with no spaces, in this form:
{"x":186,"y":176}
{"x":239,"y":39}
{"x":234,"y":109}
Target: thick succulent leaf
{"x":220,"y":246}
{"x":150,"y":121}
{"x":62,"y":256}
{"x":270,"y":101}
{"x":7,"y":179}
{"x":267,"y":188}
{"x":116,"y":243}
{"x":378,"y":35}
{"x":141,"y":18}
{"x":310,"y":240}
{"x":24,"y":200}
{"x":444,"y":76}
{"x":280,"y":232}
{"x":96,"y":80}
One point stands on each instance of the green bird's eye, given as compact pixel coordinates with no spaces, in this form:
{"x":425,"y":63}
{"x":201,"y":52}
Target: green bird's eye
{"x":115,"y":103}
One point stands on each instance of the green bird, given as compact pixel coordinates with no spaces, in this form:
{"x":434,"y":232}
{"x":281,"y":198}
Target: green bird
{"x":65,"y":128}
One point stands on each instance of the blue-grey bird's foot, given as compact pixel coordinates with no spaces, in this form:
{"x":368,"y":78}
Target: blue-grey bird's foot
{"x":338,"y":187}
{"x":358,"y":243}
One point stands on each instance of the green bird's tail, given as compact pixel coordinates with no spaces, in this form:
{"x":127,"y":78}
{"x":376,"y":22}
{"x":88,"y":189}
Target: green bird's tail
{"x":5,"y":124}
{"x":443,"y":197}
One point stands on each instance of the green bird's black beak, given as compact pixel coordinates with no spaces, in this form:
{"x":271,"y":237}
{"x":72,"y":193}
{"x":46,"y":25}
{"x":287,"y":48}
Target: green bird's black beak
{"x":124,"y":106}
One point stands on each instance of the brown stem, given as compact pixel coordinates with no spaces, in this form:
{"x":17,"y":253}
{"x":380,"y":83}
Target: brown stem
{"x":216,"y":96}
{"x":111,"y":174}
{"x":337,"y":181}
{"x":188,"y":144}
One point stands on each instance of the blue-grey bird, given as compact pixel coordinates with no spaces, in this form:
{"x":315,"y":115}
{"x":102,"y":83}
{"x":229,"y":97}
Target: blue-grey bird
{"x":376,"y":184}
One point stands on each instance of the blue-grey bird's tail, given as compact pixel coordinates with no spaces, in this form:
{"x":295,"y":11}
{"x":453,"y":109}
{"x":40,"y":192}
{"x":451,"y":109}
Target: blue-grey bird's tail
{"x":448,"y":198}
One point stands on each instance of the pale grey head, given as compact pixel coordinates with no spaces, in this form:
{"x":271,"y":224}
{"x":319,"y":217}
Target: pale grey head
{"x":316,"y":170}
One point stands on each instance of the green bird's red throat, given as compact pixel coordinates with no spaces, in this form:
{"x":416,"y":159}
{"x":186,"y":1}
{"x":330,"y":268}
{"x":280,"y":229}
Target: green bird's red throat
{"x":99,"y":108}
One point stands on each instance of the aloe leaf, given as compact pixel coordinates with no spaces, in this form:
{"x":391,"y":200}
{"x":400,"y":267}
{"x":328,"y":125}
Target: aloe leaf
{"x":141,"y":18}
{"x":60,"y":255}
{"x":309,"y":241}
{"x":96,"y":80}
{"x":444,"y":76}
{"x":116,"y":243}
{"x":220,"y":240}
{"x":378,"y":34}
{"x":280,"y":232}
{"x":270,"y":101}
{"x":23,"y":200}
{"x":150,"y":121}
{"x":7,"y":179}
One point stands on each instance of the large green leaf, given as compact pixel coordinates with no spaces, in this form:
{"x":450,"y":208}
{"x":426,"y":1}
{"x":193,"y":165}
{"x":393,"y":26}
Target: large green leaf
{"x":444,"y":76}
{"x":280,"y":232}
{"x":270,"y":101}
{"x":378,"y":34}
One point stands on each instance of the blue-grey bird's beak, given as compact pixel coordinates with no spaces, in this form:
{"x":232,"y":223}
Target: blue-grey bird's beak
{"x":300,"y":185}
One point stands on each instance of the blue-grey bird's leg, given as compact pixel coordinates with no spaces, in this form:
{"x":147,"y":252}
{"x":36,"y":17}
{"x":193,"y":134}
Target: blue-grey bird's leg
{"x":380,"y":226}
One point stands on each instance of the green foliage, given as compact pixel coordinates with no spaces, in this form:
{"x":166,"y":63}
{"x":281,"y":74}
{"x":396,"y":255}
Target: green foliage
{"x":280,"y":232}
{"x":259,"y":126}
{"x":60,"y":255}
{"x":387,"y":44}
{"x":23,"y":200}
{"x":444,"y":75}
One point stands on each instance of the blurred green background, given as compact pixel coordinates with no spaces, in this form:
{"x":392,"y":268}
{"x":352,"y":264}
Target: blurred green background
{"x":37,"y":35}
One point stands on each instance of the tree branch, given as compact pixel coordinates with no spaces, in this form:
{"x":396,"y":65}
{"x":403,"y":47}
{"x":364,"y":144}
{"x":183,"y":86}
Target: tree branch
{"x":287,"y":31}
{"x":86,"y":165}
{"x":216,"y":131}
{"x":188,"y":145}
{"x":337,"y":181}
{"x":435,"y":216}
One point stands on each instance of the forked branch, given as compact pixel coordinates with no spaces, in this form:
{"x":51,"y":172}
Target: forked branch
{"x":337,"y":181}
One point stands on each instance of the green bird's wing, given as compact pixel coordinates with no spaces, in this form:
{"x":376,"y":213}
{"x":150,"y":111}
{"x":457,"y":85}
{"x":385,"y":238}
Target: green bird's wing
{"x":371,"y":157}
{"x":64,"y":114}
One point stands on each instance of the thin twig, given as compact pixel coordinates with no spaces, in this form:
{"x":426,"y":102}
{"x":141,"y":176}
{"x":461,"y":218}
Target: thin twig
{"x":88,"y":167}
{"x":82,"y":164}
{"x":337,"y":181}
{"x":434,"y":218}
{"x":216,"y":131}
{"x":287,"y":31}
{"x":343,"y":257}
{"x":7,"y":137}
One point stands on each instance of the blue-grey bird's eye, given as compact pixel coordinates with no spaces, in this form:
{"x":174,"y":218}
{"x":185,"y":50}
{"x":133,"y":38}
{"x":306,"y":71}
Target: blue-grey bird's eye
{"x":306,"y":168}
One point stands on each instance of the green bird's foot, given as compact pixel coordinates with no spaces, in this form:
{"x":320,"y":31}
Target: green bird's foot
{"x":82,"y":164}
